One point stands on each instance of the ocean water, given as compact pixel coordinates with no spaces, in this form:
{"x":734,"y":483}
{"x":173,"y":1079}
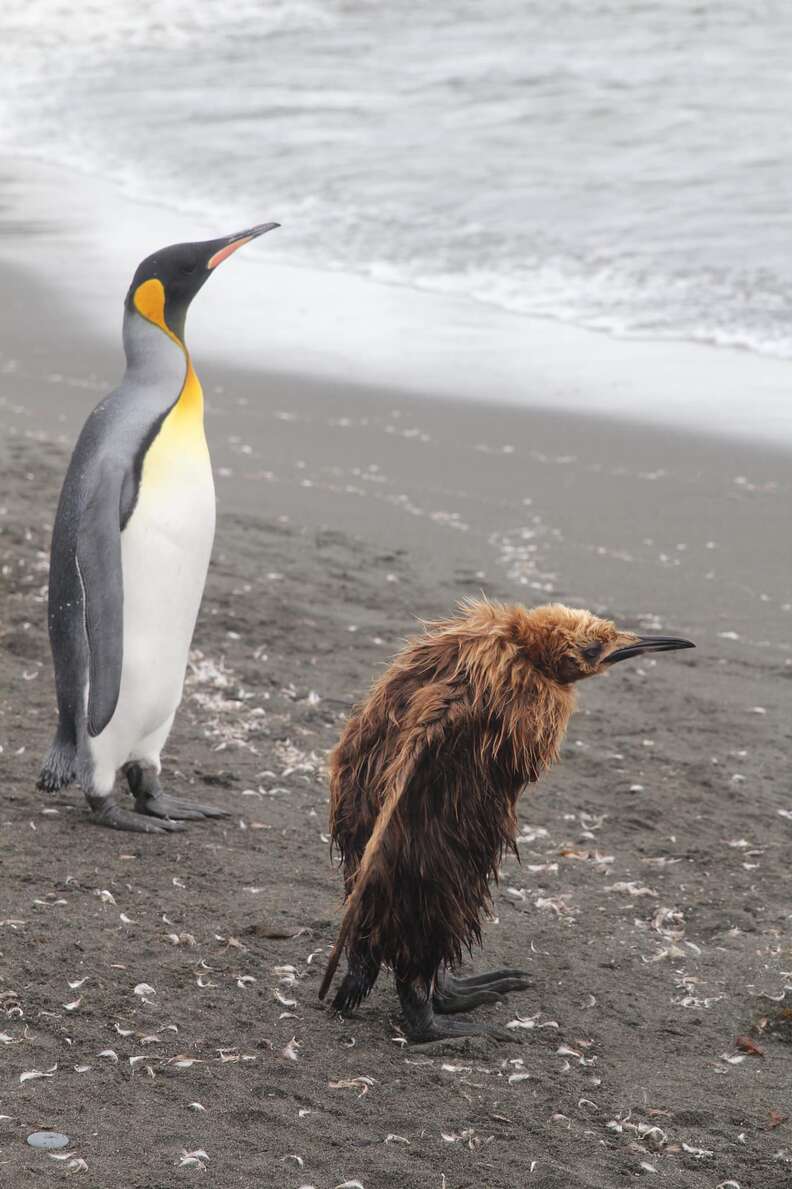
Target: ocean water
{"x":625,"y":165}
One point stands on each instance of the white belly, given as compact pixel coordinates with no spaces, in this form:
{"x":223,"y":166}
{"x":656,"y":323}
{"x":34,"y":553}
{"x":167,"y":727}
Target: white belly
{"x":165,"y":551}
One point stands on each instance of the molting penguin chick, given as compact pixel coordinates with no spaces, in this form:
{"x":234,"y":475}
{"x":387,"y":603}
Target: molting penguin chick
{"x":423,"y":790}
{"x":130,"y":551}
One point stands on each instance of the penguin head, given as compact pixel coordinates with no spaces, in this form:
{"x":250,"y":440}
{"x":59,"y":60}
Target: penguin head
{"x":166,"y":282}
{"x":564,"y":644}
{"x":568,"y":644}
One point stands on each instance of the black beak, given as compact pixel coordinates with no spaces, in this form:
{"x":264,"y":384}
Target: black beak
{"x":252,"y":232}
{"x":648,"y":644}
{"x":221,"y":249}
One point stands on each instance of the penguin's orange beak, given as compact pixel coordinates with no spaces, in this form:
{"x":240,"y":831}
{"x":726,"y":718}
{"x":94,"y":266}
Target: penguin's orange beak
{"x":230,"y":245}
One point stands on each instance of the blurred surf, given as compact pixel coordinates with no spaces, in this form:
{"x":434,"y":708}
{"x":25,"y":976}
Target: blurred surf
{"x":624,"y":167}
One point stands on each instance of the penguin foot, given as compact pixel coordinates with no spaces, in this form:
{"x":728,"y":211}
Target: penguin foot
{"x":448,"y":1004}
{"x":165,"y":807}
{"x":150,"y":801}
{"x":422,"y":1026}
{"x":463,"y":994}
{"x":360,"y":977}
{"x":486,"y":981}
{"x":107,"y":813}
{"x":441,"y":1029}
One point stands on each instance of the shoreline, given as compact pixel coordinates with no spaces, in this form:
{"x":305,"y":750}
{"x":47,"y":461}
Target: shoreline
{"x":328,"y":325}
{"x":499,"y":488}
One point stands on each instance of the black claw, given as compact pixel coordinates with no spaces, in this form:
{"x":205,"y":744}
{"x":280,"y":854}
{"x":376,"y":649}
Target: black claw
{"x":116,"y":818}
{"x":360,"y":977}
{"x":348,"y":997}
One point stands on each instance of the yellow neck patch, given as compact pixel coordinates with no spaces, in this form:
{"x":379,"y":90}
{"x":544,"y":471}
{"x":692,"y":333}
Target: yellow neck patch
{"x":181,"y":437}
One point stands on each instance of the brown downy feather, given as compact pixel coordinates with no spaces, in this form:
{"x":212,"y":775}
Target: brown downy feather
{"x":425,"y":779}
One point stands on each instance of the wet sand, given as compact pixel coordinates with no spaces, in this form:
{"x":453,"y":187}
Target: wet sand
{"x":651,"y":902}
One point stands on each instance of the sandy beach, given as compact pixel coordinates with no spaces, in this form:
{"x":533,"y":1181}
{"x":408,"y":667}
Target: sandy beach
{"x":163,"y":991}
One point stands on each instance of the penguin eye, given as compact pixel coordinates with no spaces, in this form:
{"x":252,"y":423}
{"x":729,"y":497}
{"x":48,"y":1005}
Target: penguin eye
{"x":591,"y":652}
{"x":187,"y":267}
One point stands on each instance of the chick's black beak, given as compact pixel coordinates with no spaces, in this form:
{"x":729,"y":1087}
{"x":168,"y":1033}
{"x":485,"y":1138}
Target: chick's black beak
{"x":648,"y":644}
{"x":221,"y":249}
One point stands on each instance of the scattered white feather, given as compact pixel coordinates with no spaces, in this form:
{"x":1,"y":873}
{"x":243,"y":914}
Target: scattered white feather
{"x":194,"y":1159}
{"x":361,"y":1083}
{"x":30,"y":1074}
{"x":523,"y":1021}
{"x":290,"y":1051}
{"x":566,"y":1051}
{"x":75,"y":1163}
{"x":632,"y":887}
{"x":697,"y":1153}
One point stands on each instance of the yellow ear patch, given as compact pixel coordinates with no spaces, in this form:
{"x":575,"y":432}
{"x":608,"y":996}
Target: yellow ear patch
{"x":149,"y":300}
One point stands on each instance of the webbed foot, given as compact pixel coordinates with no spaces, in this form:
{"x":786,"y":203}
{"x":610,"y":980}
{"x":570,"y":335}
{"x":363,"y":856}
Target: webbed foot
{"x":454,"y":994}
{"x":107,"y":813}
{"x":422,"y":1026}
{"x":165,"y":806}
{"x":151,"y":801}
{"x":484,"y":980}
{"x":360,"y":977}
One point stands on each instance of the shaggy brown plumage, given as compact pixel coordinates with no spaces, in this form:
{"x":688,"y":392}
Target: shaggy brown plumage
{"x":424,"y":782}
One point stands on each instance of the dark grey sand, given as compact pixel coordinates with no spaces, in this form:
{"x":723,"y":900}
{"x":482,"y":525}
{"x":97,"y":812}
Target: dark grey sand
{"x":652,"y":903}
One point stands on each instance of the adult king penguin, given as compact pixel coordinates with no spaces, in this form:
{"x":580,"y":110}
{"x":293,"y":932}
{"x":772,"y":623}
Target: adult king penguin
{"x":130,"y":551}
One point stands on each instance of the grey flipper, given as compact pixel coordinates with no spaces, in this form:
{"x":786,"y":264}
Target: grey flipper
{"x":86,"y":584}
{"x":98,"y":561}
